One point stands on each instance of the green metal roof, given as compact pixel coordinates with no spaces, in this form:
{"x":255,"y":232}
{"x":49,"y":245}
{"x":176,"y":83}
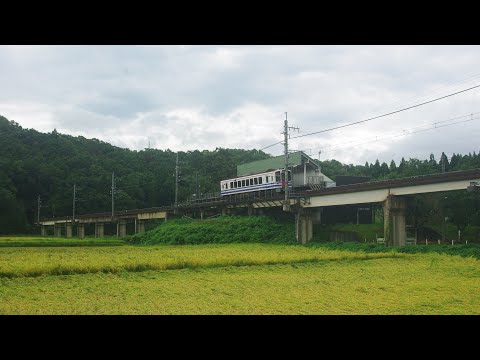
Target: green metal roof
{"x":273,"y":163}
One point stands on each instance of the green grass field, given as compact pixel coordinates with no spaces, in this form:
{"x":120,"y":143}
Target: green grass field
{"x":234,"y":279}
{"x":37,"y":241}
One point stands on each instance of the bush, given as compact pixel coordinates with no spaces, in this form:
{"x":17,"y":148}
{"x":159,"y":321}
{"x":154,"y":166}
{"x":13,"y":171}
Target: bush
{"x":225,"y":229}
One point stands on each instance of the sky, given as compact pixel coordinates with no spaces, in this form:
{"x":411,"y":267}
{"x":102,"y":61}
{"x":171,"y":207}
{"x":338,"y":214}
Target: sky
{"x":200,"y":97}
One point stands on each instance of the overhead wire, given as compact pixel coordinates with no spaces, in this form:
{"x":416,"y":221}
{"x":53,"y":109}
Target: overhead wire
{"x":403,"y":132}
{"x":375,"y":117}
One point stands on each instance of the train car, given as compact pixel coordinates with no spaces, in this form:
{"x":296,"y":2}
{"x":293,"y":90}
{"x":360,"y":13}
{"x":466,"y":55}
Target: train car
{"x":266,"y":181}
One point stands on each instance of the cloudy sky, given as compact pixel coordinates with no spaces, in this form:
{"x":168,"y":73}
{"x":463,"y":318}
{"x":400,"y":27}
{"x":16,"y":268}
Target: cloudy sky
{"x":203,"y":97}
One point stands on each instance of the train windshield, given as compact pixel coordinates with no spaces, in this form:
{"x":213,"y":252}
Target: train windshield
{"x":277,"y":176}
{"x":283,"y":175}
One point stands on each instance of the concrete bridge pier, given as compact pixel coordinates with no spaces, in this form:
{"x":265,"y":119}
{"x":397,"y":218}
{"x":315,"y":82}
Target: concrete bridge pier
{"x":140,"y":226}
{"x":122,"y":228}
{"x":57,"y":230}
{"x":68,"y":229}
{"x":394,"y":210}
{"x":202,"y":213}
{"x":99,"y":230}
{"x":43,"y":230}
{"x":81,"y":231}
{"x":304,"y":227}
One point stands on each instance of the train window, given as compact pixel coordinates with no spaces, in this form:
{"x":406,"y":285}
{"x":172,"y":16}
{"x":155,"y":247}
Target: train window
{"x":243,"y":182}
{"x":251,"y":181}
{"x":255,"y":181}
{"x":235,"y":184}
{"x":231,"y":184}
{"x":260,"y":180}
{"x":277,"y":176}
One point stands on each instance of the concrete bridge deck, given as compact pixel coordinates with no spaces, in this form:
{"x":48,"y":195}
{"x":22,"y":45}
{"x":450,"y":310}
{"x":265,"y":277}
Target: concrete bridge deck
{"x":389,"y":192}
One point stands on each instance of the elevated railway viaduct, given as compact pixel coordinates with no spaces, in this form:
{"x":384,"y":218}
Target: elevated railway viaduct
{"x":305,"y":205}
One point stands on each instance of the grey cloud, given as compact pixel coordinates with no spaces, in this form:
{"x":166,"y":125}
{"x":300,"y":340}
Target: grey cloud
{"x":92,"y":89}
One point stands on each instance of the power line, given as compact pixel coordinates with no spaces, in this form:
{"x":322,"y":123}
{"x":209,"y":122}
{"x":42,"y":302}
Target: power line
{"x":405,"y":134}
{"x":375,"y":117}
{"x":430,"y":92}
{"x":436,"y":124}
{"x":390,"y":113}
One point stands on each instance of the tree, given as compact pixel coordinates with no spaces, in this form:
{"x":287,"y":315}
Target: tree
{"x":444,"y":162}
{"x":393,"y":166}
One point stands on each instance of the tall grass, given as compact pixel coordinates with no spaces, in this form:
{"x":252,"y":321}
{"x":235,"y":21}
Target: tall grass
{"x":36,"y":241}
{"x":471,"y":250}
{"x":32,"y":262}
{"x":412,"y":284}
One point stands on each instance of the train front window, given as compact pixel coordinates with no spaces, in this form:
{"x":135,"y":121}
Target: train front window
{"x":277,"y":176}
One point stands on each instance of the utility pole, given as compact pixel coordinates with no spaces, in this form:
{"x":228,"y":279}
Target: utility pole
{"x":113,"y":194}
{"x":176,"y":185}
{"x":286,"y":205}
{"x":74,"y":193}
{"x":39,"y":202}
{"x":196,"y":190}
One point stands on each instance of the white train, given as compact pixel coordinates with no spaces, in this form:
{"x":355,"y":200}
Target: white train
{"x":270,"y":180}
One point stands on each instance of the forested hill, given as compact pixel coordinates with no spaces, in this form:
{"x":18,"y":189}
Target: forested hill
{"x":34,"y":163}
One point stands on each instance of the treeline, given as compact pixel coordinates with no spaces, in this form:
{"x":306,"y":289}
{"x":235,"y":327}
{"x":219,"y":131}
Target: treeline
{"x":34,"y":163}
{"x":406,"y":168}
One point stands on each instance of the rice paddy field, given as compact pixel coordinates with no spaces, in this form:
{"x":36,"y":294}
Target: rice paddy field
{"x":233,"y":279}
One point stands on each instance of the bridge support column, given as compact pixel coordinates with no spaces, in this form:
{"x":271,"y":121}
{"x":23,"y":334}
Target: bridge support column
{"x":201,"y":214}
{"x":81,"y":231}
{"x":57,"y":230}
{"x":304,"y":227}
{"x":122,"y":228}
{"x":99,"y":230}
{"x":43,"y":230}
{"x":394,"y":220}
{"x":68,"y":229}
{"x":140,"y":226}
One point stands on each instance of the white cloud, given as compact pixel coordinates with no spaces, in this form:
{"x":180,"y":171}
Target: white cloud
{"x":203,"y":97}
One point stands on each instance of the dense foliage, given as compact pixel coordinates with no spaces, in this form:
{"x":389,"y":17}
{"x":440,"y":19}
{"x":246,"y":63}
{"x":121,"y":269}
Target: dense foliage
{"x":225,"y":229}
{"x":34,"y":163}
{"x":406,"y":168}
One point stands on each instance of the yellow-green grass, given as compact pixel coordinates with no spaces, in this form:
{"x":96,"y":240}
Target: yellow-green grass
{"x":36,"y":241}
{"x":412,"y":284}
{"x":21,"y":262}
